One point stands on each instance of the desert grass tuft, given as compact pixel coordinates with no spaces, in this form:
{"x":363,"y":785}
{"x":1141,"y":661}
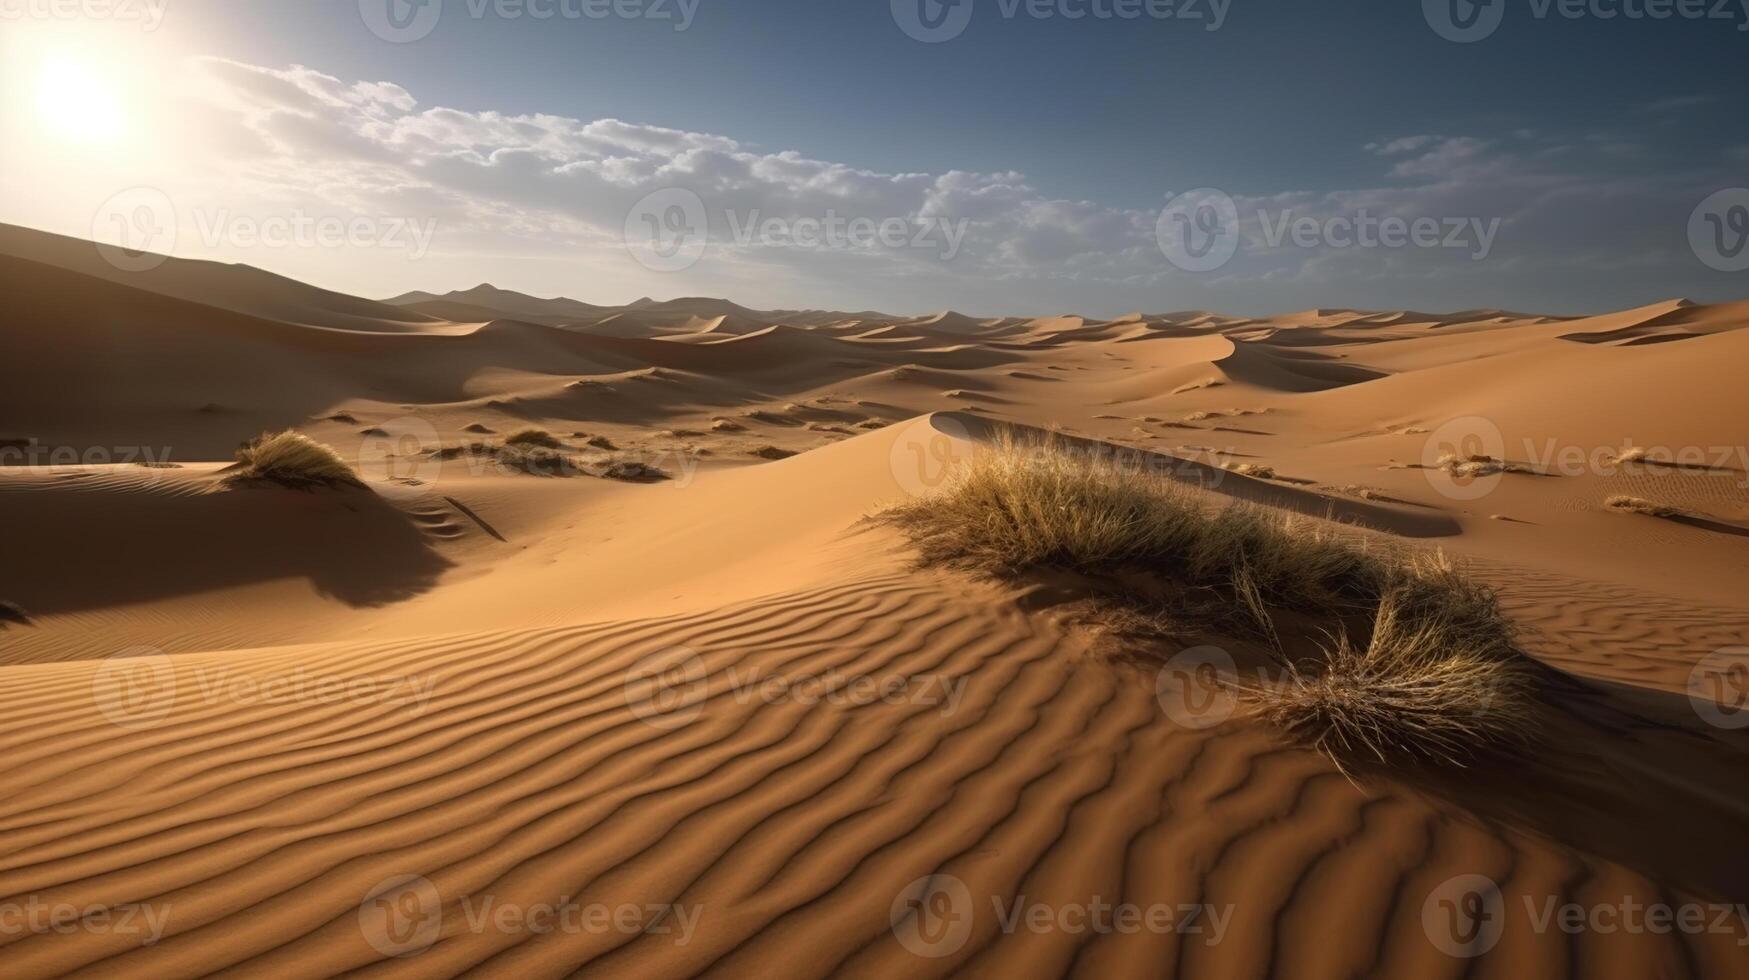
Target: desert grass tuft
{"x":292,"y":459}
{"x":12,"y":612}
{"x":1420,"y":661}
{"x":533,"y":437}
{"x":1639,"y":505}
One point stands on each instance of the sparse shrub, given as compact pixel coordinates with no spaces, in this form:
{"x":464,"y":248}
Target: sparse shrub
{"x":534,"y":437}
{"x":1420,"y":662}
{"x":1256,"y":470}
{"x":1639,"y":505}
{"x":771,"y":452}
{"x":292,"y":459}
{"x":631,"y":471}
{"x":12,"y":612}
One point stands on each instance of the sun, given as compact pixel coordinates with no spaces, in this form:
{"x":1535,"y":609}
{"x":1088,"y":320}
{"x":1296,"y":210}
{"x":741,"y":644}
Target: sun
{"x":78,"y":101}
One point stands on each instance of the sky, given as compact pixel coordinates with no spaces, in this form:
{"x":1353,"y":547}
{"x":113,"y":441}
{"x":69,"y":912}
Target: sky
{"x":990,"y":156}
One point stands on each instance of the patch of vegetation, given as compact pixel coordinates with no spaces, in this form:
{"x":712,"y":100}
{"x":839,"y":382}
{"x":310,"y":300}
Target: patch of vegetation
{"x":1625,"y":504}
{"x":1417,"y":661}
{"x":534,"y":437}
{"x":291,"y":459}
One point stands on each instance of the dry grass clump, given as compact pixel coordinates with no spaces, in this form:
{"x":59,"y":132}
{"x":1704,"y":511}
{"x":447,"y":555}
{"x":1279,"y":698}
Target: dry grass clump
{"x":1639,"y":505}
{"x":12,"y":612}
{"x":1472,"y":465}
{"x":534,"y":437}
{"x":1256,"y":470}
{"x":631,"y":471}
{"x":1419,"y":661}
{"x":292,"y":459}
{"x":1436,"y":679}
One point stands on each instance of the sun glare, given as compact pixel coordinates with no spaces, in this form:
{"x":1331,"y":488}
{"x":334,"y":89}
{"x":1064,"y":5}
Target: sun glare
{"x":76,"y":101}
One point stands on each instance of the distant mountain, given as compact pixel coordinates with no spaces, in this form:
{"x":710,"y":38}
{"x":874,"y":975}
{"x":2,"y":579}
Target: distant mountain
{"x":507,"y":303}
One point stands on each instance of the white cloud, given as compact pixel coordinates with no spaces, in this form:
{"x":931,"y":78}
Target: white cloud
{"x":537,"y":183}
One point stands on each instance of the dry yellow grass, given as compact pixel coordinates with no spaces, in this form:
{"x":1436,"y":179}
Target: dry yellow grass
{"x":292,"y":459}
{"x":1639,"y":505}
{"x":1433,"y":672}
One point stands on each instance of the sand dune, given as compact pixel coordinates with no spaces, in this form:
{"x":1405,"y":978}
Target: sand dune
{"x":240,"y":710}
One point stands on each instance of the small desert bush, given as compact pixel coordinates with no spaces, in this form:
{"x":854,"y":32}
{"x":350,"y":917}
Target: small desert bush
{"x":12,"y":612}
{"x":1255,"y":470}
{"x":1420,"y":661}
{"x":1640,"y":505}
{"x":533,"y":437}
{"x":292,"y":459}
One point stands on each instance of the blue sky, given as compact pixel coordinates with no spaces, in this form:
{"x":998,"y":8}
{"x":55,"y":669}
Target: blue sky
{"x":1584,"y":143}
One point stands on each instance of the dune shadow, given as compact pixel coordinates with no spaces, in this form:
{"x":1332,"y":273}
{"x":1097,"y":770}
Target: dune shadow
{"x":1708,"y":524}
{"x":77,"y":550}
{"x":1627,"y":773}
